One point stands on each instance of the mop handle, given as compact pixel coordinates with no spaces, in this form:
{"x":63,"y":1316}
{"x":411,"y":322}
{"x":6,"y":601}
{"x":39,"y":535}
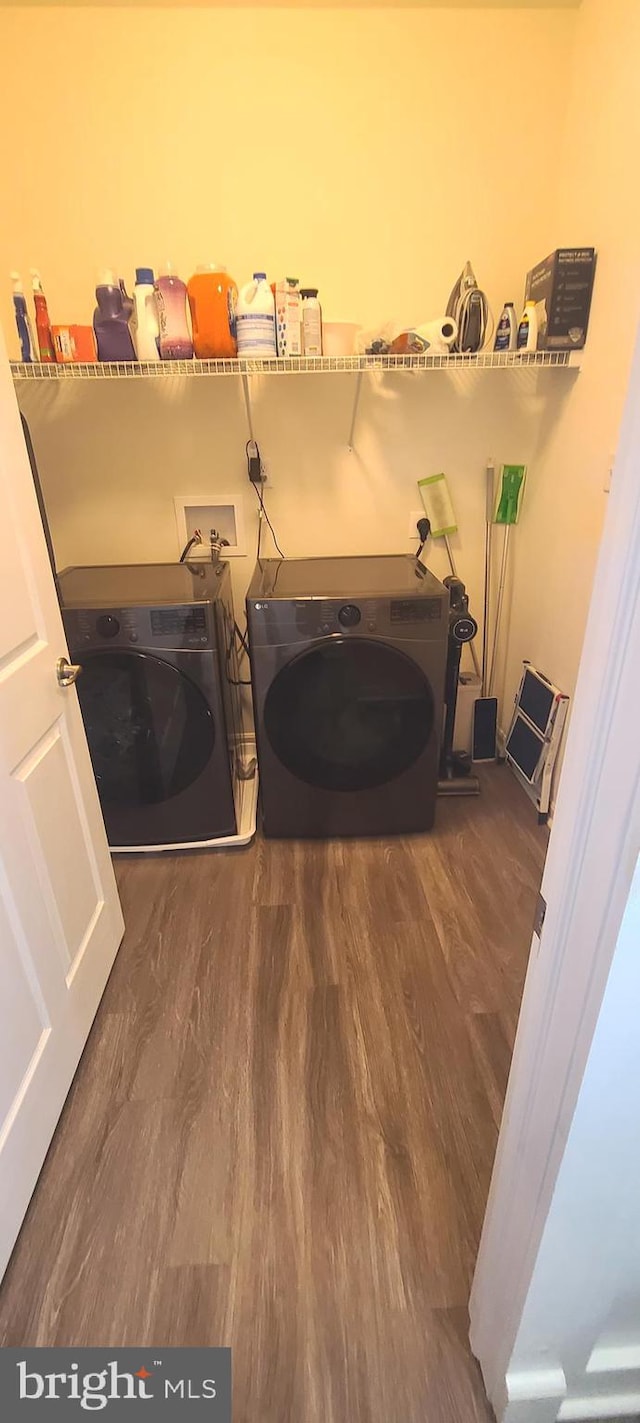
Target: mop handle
{"x":488,"y":528}
{"x":503,"y":575}
{"x":485,"y":621}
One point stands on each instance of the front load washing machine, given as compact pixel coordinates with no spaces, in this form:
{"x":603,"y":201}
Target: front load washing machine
{"x":158,"y":697}
{"x":348,"y":663}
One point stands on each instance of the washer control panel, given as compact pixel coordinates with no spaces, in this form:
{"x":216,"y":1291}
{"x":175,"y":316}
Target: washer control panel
{"x":174,"y":627}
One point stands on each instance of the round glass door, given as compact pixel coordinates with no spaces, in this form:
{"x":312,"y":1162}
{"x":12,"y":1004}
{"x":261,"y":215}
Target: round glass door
{"x":149,"y":728}
{"x":349,"y":714}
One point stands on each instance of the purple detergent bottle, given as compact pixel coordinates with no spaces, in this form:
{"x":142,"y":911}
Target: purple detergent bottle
{"x":175,"y":340}
{"x":111,"y":321}
{"x":127,"y":301}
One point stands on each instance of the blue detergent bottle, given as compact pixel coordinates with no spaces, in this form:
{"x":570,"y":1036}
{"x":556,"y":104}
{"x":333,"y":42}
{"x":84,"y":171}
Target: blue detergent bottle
{"x":27,"y":344}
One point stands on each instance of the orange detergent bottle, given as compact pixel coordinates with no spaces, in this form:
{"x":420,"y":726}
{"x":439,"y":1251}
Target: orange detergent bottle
{"x":212,"y":297}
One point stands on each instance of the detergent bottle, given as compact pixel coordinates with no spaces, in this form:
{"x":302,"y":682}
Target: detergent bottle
{"x":143,"y":322}
{"x":213,"y":298}
{"x":110,"y":321}
{"x":171,"y":297}
{"x":256,"y":318}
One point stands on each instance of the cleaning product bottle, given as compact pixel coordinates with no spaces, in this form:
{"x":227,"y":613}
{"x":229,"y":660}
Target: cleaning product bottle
{"x":507,"y":329}
{"x":110,"y":321}
{"x":288,"y":317}
{"x":175,"y":335}
{"x":311,"y":322}
{"x":528,"y":328}
{"x":213,"y":298}
{"x":143,"y":322}
{"x":127,"y":301}
{"x":43,"y":325}
{"x":256,"y":318}
{"x":23,"y":323}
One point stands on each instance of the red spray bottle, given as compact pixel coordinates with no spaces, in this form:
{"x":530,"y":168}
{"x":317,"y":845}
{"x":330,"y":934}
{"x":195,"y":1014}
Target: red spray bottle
{"x":43,"y":325}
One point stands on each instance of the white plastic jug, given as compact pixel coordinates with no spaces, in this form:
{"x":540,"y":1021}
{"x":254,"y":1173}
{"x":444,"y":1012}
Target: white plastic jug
{"x":256,"y":318}
{"x":143,"y":322}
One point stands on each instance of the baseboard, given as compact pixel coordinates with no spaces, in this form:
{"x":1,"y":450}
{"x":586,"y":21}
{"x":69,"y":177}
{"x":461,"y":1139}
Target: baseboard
{"x":600,"y":1405}
{"x":614,"y":1358}
{"x":542,"y":1396}
{"x":534,"y":1395}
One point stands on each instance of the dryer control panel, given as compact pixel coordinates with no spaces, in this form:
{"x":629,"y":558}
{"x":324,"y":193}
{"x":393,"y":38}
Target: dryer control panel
{"x":281,"y":621}
{"x":415,"y":610}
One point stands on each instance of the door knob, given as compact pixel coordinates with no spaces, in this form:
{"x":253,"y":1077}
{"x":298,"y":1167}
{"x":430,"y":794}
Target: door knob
{"x":67,"y":672}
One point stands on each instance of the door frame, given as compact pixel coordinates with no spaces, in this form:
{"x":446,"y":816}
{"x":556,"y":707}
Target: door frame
{"x":590,"y":865}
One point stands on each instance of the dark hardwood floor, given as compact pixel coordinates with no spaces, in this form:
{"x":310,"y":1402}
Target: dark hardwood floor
{"x":281,"y":1133}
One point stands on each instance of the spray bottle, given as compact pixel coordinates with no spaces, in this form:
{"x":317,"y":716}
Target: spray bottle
{"x":23,"y":323}
{"x":43,"y":325}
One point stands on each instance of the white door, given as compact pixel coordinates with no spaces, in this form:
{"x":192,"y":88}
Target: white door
{"x":60,"y":919}
{"x":587,"y":1344}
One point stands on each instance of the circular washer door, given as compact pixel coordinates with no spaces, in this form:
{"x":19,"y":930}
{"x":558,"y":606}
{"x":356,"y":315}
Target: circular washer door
{"x":349,"y":714}
{"x":149,"y":728}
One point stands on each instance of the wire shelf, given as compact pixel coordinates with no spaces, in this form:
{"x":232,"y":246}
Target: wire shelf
{"x":295,"y":365}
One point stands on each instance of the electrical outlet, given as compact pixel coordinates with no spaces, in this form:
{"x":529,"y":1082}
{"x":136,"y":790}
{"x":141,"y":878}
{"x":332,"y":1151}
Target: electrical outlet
{"x":413,"y":520}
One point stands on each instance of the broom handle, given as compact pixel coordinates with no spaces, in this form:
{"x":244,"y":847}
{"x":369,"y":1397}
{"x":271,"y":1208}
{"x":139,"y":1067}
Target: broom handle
{"x":503,"y":577}
{"x":474,"y":655}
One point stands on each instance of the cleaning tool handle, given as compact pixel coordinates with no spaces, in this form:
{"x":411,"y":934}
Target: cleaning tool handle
{"x":501,"y":588}
{"x":490,"y":475}
{"x":490,"y":490}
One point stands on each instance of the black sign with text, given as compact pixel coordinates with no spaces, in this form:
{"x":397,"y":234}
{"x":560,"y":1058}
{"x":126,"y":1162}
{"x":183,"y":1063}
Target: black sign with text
{"x":58,"y":1384}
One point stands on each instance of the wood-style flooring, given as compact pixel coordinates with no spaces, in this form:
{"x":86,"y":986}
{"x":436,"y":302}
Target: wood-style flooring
{"x":281,"y":1132}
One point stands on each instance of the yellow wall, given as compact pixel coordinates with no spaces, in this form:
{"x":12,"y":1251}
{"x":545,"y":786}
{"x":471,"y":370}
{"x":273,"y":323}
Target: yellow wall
{"x":369,"y":151}
{"x":599,"y":201}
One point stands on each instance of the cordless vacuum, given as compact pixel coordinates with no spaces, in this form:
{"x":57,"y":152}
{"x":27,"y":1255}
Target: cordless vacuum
{"x":455,"y":766}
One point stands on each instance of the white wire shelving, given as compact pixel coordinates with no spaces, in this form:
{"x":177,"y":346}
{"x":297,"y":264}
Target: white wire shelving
{"x":244,"y":369}
{"x":295,"y":365}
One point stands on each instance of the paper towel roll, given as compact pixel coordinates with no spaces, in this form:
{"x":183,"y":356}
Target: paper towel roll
{"x":439,"y":333}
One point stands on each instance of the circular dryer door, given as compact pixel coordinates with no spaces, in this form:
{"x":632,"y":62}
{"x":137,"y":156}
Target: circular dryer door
{"x":149,"y":728}
{"x":349,"y":714}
